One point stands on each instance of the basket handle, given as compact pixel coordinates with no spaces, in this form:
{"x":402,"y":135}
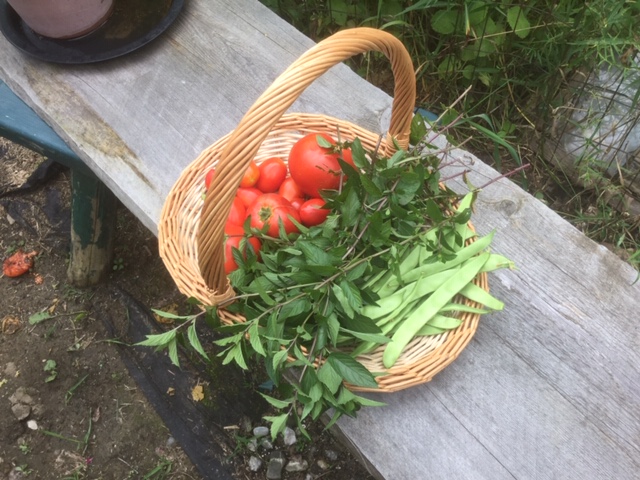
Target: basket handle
{"x":253,"y":129}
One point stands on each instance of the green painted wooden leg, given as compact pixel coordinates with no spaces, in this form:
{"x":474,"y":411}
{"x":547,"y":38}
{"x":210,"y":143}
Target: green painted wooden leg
{"x":93,"y":225}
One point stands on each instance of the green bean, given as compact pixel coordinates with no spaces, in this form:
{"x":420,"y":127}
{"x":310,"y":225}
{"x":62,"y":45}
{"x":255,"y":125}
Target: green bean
{"x":446,"y":323}
{"x":432,"y":268}
{"x":461,"y":307}
{"x":481,"y":296}
{"x":430,"y":307}
{"x":429,"y":330}
{"x":439,"y":324}
{"x":388,"y":324}
{"x":497,"y":262}
{"x":417,"y":289}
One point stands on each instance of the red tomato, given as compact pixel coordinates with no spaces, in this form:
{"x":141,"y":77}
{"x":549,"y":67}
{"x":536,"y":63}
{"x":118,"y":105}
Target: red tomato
{"x":18,"y":263}
{"x":238,"y":212}
{"x":248,"y":195}
{"x":233,"y":237}
{"x":290,"y":189}
{"x":347,"y":156}
{"x":314,"y":168}
{"x":312,"y":212}
{"x":269,"y":209}
{"x":209,"y":178}
{"x":250,"y":176}
{"x":273,"y":171}
{"x":297,"y":202}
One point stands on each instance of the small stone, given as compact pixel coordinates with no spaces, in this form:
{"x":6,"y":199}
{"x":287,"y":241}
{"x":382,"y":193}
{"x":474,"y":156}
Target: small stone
{"x":266,"y":444}
{"x":331,"y":455}
{"x":254,"y":463}
{"x":171,"y":442}
{"x":322,"y":464}
{"x":252,"y":445}
{"x":297,"y":464}
{"x":32,"y":424}
{"x":261,"y":432}
{"x":289,"y":437}
{"x":21,"y":411}
{"x":38,"y":409}
{"x":10,"y":369}
{"x":21,"y":396}
{"x":274,"y":468}
{"x":16,"y":474}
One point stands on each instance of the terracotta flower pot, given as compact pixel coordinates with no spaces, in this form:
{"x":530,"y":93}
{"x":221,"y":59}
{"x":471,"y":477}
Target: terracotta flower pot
{"x":63,"y":18}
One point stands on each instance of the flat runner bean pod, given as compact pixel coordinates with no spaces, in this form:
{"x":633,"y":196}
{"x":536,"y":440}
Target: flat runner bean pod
{"x":430,"y":307}
{"x":432,"y":268}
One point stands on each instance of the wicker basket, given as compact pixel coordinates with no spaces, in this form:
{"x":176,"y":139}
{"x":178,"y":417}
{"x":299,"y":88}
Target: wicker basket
{"x":191,"y":232}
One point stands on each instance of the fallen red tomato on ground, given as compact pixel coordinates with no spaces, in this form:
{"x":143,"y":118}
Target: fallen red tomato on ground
{"x":312,"y":212}
{"x":269,"y":210}
{"x":18,"y":264}
{"x":273,"y":171}
{"x":233,"y":237}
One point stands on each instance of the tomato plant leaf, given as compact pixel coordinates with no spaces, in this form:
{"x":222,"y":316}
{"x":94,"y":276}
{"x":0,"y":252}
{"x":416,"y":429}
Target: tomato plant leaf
{"x":329,"y":377}
{"x":172,"y":349}
{"x":276,"y":402}
{"x":159,"y":340}
{"x":254,"y":339}
{"x":277,"y":424}
{"x":351,"y":370}
{"x":192,"y":336}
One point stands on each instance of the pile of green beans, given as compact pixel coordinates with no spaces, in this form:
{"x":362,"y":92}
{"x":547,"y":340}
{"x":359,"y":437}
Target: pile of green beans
{"x":419,"y":299}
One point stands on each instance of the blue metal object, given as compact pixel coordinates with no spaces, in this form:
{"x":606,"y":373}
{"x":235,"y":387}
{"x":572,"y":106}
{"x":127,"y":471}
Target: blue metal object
{"x":93,"y":206}
{"x":432,"y":117}
{"x":22,"y":125}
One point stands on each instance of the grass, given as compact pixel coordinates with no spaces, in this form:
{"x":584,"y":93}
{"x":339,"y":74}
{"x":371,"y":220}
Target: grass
{"x":517,"y":66}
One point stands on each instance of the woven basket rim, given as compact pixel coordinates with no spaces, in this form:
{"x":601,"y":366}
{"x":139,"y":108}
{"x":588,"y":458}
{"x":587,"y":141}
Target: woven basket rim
{"x":191,"y":232}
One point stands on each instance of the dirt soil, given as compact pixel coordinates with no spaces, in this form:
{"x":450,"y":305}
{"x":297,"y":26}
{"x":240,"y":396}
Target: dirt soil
{"x":69,"y":406}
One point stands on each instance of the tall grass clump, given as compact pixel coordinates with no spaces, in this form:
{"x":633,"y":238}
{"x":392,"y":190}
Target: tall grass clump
{"x":521,"y":68}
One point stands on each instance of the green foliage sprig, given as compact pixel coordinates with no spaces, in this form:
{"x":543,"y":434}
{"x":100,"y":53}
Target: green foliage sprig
{"x":316,"y":299}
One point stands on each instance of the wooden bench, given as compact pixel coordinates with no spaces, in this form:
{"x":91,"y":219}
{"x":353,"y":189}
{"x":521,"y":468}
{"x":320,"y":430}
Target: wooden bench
{"x":92,"y":204}
{"x":549,"y":388}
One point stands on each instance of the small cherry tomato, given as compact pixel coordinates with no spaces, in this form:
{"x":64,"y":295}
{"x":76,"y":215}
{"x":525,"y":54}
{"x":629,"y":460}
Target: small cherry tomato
{"x":290,"y":189}
{"x":209,"y":178}
{"x":233,"y":237}
{"x":251,"y":176}
{"x":238,"y":212}
{"x":297,"y":202}
{"x":347,"y":156}
{"x":273,"y":171}
{"x":269,"y":210}
{"x":248,"y":195}
{"x":312,"y":212}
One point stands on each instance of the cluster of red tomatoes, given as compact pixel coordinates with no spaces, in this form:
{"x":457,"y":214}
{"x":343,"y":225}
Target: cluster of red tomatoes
{"x":273,"y":192}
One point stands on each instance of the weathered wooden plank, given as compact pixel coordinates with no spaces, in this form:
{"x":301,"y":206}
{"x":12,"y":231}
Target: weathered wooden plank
{"x":548,"y":388}
{"x":138,"y":120}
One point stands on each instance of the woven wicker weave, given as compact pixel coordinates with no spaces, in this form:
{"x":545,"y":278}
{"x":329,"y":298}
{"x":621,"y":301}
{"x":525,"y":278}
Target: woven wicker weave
{"x":191,"y":232}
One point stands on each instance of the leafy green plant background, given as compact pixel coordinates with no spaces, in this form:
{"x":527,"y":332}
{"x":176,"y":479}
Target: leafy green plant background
{"x":516,"y":64}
